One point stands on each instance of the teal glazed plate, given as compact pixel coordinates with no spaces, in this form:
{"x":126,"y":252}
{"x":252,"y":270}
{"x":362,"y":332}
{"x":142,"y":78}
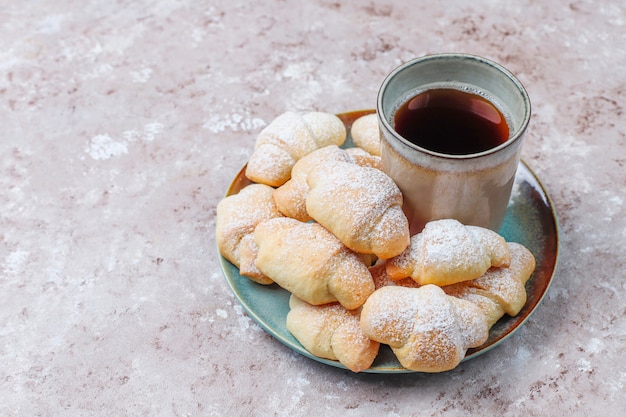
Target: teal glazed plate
{"x":530,"y":220}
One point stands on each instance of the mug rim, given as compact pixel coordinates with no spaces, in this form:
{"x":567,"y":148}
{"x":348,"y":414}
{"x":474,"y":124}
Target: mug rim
{"x":518,"y":133}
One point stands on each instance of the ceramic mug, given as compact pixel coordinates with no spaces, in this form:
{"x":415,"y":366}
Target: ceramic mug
{"x":473,"y":188}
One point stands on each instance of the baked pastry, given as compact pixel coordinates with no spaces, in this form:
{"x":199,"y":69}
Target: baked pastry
{"x":332,"y":332}
{"x":311,"y":263}
{"x":237,"y":216}
{"x":381,"y":279}
{"x":428,"y":330}
{"x":290,"y":198}
{"x":366,"y":134}
{"x":499,"y":290}
{"x":360,"y":205}
{"x":247,"y":260}
{"x":363,"y":158}
{"x":447,"y":252}
{"x":287,"y":139}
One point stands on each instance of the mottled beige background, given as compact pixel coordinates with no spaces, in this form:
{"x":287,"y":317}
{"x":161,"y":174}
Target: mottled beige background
{"x":122,"y":124}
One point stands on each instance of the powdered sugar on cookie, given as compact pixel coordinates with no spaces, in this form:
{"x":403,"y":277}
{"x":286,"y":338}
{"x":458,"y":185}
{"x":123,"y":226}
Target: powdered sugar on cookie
{"x":446,"y":252}
{"x":287,"y":139}
{"x":428,"y":330}
{"x":330,"y":331}
{"x":362,"y":206}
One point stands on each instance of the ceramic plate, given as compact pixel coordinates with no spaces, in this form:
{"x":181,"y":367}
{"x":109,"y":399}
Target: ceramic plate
{"x":530,"y":220}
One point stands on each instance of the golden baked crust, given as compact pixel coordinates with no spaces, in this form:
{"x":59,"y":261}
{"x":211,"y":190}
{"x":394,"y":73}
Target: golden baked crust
{"x":381,"y":279}
{"x":332,"y":332}
{"x":237,"y":216}
{"x":366,"y":134}
{"x":499,"y":290}
{"x":311,"y":263}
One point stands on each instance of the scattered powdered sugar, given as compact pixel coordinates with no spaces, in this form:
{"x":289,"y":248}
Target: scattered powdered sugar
{"x":374,"y":193}
{"x":236,"y":122}
{"x":141,"y":76}
{"x":391,"y":235}
{"x":595,"y":345}
{"x":104,"y":147}
{"x":15,"y":261}
{"x":447,"y":242}
{"x":494,"y":245}
{"x":148,"y":133}
{"x":584,"y":365}
{"x":151,"y":130}
{"x":503,"y":286}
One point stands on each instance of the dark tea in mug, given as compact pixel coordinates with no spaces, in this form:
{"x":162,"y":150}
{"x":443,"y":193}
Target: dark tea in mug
{"x":452,"y":127}
{"x":452,"y":122}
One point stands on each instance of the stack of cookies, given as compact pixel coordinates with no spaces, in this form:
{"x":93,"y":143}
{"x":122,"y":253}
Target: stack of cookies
{"x":326,"y":224}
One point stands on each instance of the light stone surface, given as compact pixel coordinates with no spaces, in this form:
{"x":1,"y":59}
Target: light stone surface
{"x":123,"y":123}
